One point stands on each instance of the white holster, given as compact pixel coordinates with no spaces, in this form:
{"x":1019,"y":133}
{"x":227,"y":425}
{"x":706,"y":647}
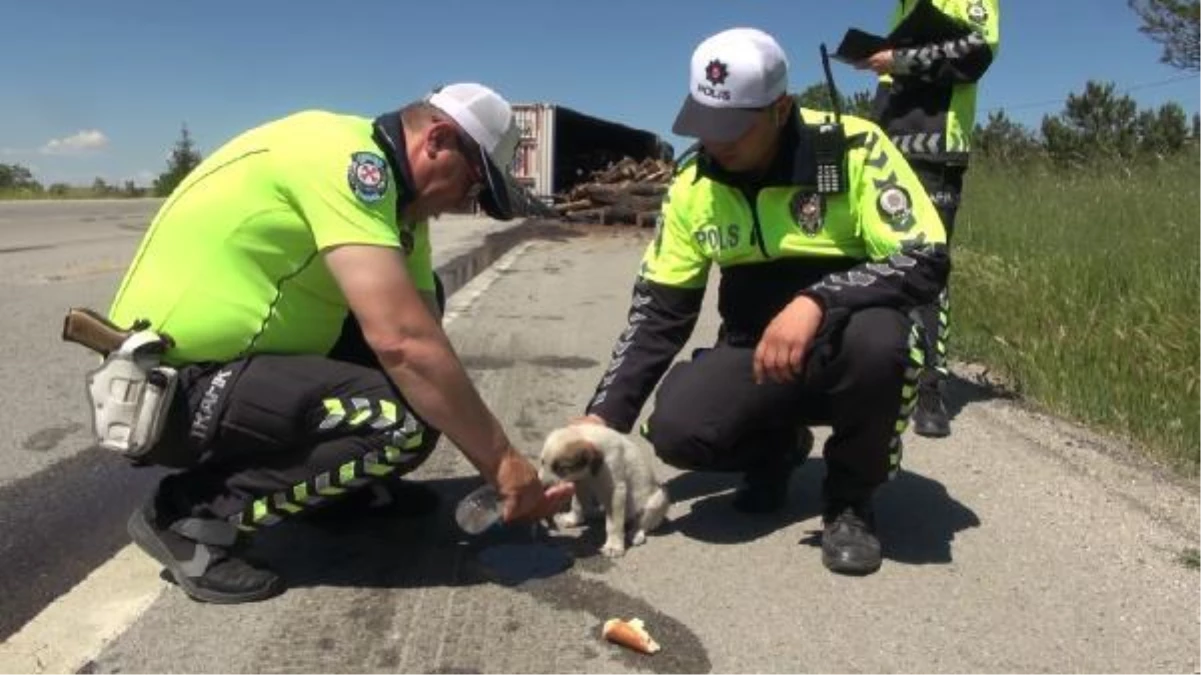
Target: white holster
{"x":131,"y":395}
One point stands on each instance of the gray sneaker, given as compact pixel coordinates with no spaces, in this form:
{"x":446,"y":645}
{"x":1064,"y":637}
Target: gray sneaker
{"x":207,"y":572}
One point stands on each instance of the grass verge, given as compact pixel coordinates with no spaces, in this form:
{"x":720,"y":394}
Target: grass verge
{"x":1081,"y":287}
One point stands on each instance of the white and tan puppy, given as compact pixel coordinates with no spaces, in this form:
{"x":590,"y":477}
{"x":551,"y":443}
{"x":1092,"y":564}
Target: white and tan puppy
{"x":612,"y":475}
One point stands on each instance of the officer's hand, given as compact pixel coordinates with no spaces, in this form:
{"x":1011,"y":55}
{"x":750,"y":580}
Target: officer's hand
{"x":780,"y":354}
{"x":881,"y":62}
{"x":589,"y":419}
{"x":524,"y":495}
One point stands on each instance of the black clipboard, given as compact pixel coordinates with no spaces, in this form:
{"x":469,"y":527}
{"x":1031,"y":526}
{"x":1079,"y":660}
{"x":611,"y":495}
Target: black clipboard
{"x":926,"y":24}
{"x":857,"y":45}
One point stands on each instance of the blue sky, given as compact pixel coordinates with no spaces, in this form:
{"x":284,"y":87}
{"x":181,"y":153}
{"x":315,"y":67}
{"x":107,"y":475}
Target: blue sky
{"x":102,"y":88}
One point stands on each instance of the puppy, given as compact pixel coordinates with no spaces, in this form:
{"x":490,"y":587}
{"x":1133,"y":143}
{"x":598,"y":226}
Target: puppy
{"x":611,"y":474}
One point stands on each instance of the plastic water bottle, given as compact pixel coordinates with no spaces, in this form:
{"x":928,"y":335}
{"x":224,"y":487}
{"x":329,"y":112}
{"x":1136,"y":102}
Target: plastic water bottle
{"x":479,"y":510}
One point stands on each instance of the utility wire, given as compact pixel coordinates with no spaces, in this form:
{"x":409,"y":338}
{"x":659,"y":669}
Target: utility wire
{"x":1061,"y":100}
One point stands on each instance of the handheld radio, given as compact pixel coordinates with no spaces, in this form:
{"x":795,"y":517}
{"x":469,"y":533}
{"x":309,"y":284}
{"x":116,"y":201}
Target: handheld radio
{"x":831,"y":142}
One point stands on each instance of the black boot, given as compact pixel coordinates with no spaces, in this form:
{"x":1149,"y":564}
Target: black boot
{"x":201,"y":555}
{"x":764,"y":488}
{"x":930,"y":419}
{"x":849,"y":543}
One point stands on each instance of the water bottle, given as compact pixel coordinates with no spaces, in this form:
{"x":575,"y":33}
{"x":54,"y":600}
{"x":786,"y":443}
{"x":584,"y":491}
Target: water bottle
{"x":479,"y":510}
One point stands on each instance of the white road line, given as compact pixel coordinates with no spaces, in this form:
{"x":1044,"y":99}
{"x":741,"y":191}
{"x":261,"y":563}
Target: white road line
{"x":467,"y":295}
{"x":76,"y":626}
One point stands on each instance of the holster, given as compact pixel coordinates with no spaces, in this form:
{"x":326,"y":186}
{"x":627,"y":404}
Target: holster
{"x":130,"y":395}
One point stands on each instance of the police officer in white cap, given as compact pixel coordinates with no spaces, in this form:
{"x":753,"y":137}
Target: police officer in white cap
{"x":825,"y":239}
{"x":293,"y":272}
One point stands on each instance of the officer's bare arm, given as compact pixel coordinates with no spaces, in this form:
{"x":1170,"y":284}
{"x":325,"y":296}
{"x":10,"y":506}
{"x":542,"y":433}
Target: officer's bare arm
{"x":415,"y":351}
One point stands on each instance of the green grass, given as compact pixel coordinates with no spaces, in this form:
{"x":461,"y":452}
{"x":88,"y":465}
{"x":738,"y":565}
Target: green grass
{"x":1190,"y":558}
{"x":1082,"y":288}
{"x":70,"y":193}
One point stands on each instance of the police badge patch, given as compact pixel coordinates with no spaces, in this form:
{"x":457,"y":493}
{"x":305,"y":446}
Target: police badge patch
{"x":807,"y":210}
{"x":368,"y":176}
{"x":977,"y":12}
{"x":896,"y":208}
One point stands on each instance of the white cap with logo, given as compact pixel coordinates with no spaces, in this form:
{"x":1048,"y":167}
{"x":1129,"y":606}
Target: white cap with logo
{"x":734,"y":75}
{"x":488,"y":118}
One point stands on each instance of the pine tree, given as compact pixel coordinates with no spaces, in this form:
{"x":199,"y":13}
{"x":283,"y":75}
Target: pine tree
{"x":1173,"y":24}
{"x":1004,"y":139}
{"x":817,"y":97}
{"x":184,"y":158}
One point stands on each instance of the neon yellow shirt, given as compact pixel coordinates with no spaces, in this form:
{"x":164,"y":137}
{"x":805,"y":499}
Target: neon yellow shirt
{"x":232,"y":264}
{"x":705,"y":222}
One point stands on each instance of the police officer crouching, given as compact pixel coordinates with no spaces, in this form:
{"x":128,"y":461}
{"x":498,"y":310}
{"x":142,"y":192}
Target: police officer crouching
{"x":293,"y":272}
{"x":825,"y":240}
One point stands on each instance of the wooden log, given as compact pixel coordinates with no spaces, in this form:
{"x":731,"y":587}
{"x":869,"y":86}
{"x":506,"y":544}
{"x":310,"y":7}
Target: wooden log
{"x":602,"y":194}
{"x":577,"y":192}
{"x":588,"y":215}
{"x":573,"y":206}
{"x":620,"y":214}
{"x":649,"y":168}
{"x":608,"y":195}
{"x":642,"y":203}
{"x":615,"y":184}
{"x":660,"y":176}
{"x":623,"y":168}
{"x":647,"y":189}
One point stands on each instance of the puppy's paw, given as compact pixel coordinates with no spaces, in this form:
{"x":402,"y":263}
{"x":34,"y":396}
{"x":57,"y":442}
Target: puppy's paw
{"x":568,"y":520}
{"x":639,"y":538}
{"x":613,"y":549}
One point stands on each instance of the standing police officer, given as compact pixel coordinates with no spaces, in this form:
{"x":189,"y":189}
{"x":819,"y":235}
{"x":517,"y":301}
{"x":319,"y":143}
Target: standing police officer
{"x":926,"y":101}
{"x":825,"y":240}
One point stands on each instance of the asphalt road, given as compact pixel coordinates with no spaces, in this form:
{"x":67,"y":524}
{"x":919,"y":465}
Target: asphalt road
{"x":63,"y":503}
{"x":59,"y":254}
{"x":1020,"y":544}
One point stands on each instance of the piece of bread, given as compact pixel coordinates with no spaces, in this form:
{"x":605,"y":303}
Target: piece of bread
{"x":630,"y":634}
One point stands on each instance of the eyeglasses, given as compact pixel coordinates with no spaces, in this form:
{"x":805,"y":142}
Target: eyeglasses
{"x":475,"y":165}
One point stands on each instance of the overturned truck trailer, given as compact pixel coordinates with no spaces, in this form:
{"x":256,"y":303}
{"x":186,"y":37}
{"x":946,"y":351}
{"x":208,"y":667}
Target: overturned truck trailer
{"x":565,"y":155}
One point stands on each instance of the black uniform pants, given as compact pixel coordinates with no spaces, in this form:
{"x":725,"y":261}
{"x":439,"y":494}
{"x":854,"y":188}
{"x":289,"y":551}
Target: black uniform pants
{"x":859,"y":378}
{"x":269,"y":436}
{"x":944,"y":183}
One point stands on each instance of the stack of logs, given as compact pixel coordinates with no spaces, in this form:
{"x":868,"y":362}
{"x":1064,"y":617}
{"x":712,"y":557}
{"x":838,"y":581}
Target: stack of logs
{"x":627,"y":192}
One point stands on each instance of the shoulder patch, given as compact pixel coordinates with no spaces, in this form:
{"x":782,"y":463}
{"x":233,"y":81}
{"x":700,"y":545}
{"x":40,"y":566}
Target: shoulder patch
{"x":896,"y":207}
{"x":368,"y":176}
{"x":977,"y":11}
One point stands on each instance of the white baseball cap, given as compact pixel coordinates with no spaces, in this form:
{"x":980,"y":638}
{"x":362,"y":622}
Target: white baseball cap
{"x":734,"y":74}
{"x":488,"y":118}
